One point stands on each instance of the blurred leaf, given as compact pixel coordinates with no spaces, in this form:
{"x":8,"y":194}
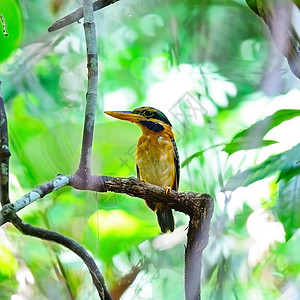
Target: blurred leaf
{"x":253,"y":5}
{"x":242,"y":143}
{"x":288,"y":205}
{"x":197,"y":154}
{"x":261,"y":171}
{"x":8,"y":264}
{"x":118,"y":231}
{"x":10,"y":11}
{"x":284,"y":163}
{"x":190,"y":158}
{"x":287,"y":257}
{"x":252,"y":137}
{"x":115,"y":148}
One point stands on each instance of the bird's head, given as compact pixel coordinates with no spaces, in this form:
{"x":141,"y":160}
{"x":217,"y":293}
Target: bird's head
{"x":147,"y":118}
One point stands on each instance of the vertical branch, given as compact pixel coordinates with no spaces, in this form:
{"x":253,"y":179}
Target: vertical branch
{"x":84,"y":170}
{"x":197,"y":241}
{"x":4,"y":154}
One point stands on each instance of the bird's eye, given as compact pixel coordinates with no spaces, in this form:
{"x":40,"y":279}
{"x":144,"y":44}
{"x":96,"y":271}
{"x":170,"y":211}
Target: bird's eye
{"x":148,"y":113}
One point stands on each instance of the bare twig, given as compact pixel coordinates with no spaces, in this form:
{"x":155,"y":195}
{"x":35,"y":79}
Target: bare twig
{"x":52,"y":236}
{"x":84,"y":169}
{"x":37,"y":193}
{"x":76,"y":15}
{"x":124,"y":282}
{"x":4,"y":154}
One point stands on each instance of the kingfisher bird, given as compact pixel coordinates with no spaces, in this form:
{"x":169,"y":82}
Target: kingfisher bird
{"x":157,"y":159}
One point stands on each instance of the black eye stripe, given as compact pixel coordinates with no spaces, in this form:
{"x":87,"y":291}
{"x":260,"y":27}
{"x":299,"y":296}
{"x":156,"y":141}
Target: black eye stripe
{"x":148,"y":113}
{"x":153,"y":126}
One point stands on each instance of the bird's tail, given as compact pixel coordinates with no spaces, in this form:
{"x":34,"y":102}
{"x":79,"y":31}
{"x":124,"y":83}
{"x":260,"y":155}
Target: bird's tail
{"x":165,"y":220}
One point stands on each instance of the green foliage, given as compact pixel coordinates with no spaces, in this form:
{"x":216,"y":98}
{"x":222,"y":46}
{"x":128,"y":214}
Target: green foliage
{"x":119,"y":231}
{"x":288,"y":203}
{"x":8,"y":264}
{"x":11,"y":25}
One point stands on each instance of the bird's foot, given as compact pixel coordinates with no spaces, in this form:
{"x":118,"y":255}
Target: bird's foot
{"x":168,"y":190}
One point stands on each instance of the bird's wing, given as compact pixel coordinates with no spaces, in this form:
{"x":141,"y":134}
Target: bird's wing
{"x":177,"y":166}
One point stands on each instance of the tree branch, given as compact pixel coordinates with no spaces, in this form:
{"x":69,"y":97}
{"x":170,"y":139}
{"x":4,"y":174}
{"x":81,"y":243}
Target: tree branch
{"x":198,"y":206}
{"x":84,"y":169}
{"x":186,"y":202}
{"x":4,"y":154}
{"x":197,"y":241}
{"x":76,"y":15}
{"x":52,"y":236}
{"x":37,"y":193}
{"x":8,"y":211}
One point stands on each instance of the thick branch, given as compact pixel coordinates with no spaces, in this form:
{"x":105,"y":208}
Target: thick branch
{"x":52,"y":236}
{"x":184,"y":202}
{"x":187,"y":202}
{"x":4,"y":154}
{"x":76,"y":15}
{"x":91,"y":96}
{"x":197,"y":241}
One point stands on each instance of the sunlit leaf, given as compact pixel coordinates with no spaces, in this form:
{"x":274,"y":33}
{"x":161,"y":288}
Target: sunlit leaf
{"x":252,"y":137}
{"x":242,"y":143}
{"x":8,"y":264}
{"x":11,"y":27}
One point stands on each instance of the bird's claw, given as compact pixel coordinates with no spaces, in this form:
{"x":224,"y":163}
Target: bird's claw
{"x":168,"y":190}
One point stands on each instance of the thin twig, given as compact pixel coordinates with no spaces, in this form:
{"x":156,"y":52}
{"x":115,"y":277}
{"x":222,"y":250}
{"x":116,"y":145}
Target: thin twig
{"x":76,"y":15}
{"x":52,"y":236}
{"x":37,"y":193}
{"x":84,"y":169}
{"x":4,"y":154}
